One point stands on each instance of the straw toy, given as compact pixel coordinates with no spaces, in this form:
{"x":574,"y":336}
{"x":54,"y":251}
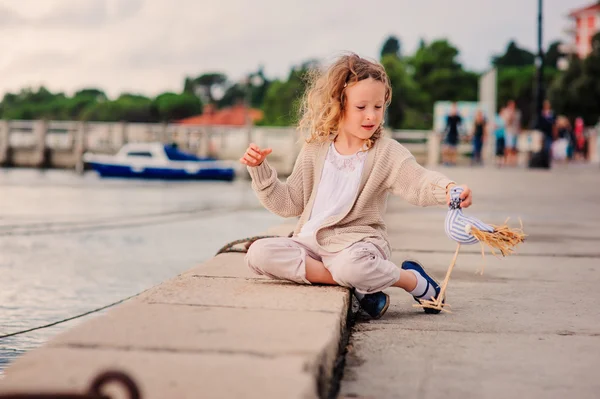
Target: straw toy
{"x":469,"y":230}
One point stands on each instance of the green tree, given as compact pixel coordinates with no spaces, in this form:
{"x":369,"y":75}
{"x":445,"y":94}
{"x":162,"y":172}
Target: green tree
{"x":107,"y":111}
{"x":253,"y":90}
{"x":407,"y":108}
{"x":10,"y":99}
{"x":171,"y":106}
{"x":235,"y":94}
{"x":42,"y":95}
{"x":513,"y":57}
{"x":75,"y":107}
{"x":127,"y":108}
{"x":563,"y":93}
{"x":207,"y":83}
{"x":552,"y":55}
{"x":189,"y":86}
{"x":518,"y":84}
{"x":437,"y":72}
{"x":577,"y":91}
{"x":33,"y":104}
{"x":391,"y":47}
{"x":96,"y":94}
{"x":259,"y":87}
{"x":282,"y":98}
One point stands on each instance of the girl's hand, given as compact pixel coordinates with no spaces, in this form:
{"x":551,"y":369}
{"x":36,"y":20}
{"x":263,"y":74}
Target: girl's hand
{"x":254,"y":156}
{"x":466,"y":196}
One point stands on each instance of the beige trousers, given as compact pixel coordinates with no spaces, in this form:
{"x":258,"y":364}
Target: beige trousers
{"x":364,"y":265}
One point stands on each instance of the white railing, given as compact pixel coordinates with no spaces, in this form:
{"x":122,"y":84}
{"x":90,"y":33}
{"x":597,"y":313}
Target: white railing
{"x":221,"y":141}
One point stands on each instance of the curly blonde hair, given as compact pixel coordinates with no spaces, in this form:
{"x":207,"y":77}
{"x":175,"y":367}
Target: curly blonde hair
{"x":323,"y":103}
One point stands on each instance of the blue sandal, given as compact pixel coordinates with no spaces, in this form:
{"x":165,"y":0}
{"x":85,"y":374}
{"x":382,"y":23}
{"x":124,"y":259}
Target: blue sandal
{"x":413,"y":265}
{"x":375,"y":304}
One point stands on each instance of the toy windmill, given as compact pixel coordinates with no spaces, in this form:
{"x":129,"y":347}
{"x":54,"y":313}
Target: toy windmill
{"x":469,"y":230}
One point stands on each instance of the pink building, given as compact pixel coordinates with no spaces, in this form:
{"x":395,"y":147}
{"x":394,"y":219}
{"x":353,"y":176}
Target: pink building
{"x":586,"y":24}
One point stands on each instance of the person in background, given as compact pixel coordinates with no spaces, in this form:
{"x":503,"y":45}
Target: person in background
{"x":512,"y":122}
{"x":499,"y":133}
{"x":479,"y":137}
{"x":561,"y":148}
{"x":547,"y":125}
{"x":579,"y":140}
{"x":453,"y":122}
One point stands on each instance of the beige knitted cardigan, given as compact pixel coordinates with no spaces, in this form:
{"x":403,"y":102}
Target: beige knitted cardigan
{"x":389,"y":167}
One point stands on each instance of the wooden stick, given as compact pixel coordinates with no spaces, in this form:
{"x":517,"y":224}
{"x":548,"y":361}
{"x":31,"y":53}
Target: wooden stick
{"x":440,"y":297}
{"x":433,"y":305}
{"x":482,"y":257}
{"x":437,"y":303}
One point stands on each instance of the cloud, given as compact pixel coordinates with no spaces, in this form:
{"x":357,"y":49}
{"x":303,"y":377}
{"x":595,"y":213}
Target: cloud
{"x":129,"y":8}
{"x":149,"y":46}
{"x":39,"y":62}
{"x":9,"y":17}
{"x":88,"y":14}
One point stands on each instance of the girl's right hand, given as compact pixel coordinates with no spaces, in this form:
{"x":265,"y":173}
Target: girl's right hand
{"x":254,"y":156}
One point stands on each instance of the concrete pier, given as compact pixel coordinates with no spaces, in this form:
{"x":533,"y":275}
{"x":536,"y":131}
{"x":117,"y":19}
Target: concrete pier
{"x":216,"y":331}
{"x":528,"y":327}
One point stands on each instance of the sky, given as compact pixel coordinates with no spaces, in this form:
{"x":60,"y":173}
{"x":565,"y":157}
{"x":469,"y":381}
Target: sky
{"x":150,"y":46}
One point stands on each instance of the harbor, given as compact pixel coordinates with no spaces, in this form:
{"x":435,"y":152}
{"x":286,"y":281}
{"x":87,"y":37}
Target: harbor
{"x":72,"y":243}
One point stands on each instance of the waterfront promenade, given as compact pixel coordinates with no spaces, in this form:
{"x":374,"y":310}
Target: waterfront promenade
{"x":529,"y":327}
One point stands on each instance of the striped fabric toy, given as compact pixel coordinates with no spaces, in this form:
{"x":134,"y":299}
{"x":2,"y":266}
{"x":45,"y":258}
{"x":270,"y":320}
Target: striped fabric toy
{"x":458,"y":226}
{"x":469,"y":230}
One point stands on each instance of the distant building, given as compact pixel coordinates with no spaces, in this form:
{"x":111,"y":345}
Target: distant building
{"x":237,"y":115}
{"x":586,"y":23}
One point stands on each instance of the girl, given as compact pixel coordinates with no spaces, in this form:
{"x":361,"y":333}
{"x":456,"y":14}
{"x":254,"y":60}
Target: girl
{"x":339,"y":186}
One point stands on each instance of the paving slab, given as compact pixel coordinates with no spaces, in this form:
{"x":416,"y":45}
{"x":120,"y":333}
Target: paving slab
{"x":164,"y":374}
{"x":448,"y":364}
{"x":529,"y":327}
{"x":247,"y":293}
{"x":206,"y":329}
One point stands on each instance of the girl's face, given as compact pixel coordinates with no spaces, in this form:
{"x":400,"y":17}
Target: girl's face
{"x":364,"y":108}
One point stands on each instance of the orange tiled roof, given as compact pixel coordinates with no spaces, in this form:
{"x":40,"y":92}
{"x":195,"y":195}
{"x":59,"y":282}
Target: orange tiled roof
{"x":230,"y":116}
{"x":591,"y":7}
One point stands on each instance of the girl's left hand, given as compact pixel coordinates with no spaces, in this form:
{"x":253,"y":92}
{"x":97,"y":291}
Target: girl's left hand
{"x":466,"y":196}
